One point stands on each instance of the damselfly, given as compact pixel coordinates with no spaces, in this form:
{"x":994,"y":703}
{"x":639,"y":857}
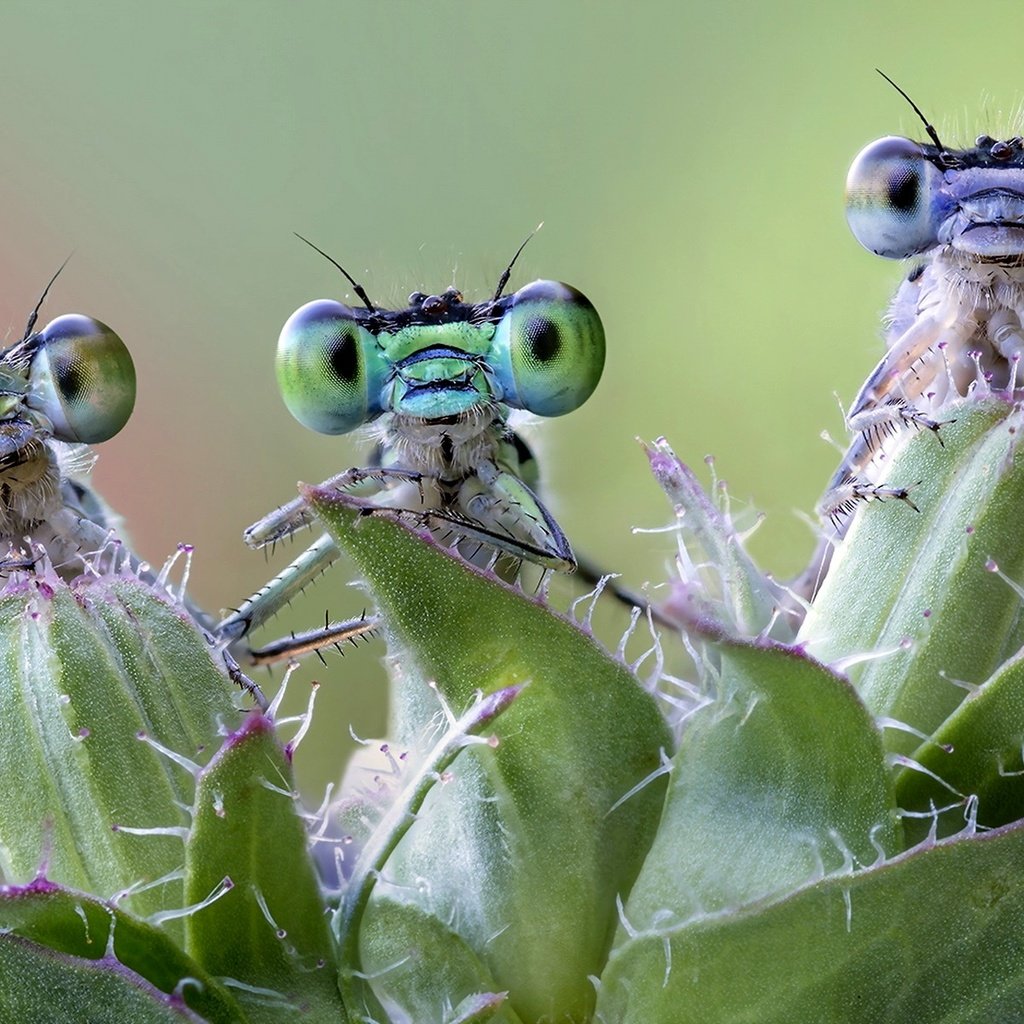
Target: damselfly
{"x":62,"y":388}
{"x":956,"y":320}
{"x":436,"y":382}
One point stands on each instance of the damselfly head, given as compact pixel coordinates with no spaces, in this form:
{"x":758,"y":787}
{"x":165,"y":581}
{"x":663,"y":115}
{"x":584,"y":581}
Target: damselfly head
{"x":75,"y":372}
{"x":73,"y":381}
{"x":904,"y":198}
{"x":540,"y":349}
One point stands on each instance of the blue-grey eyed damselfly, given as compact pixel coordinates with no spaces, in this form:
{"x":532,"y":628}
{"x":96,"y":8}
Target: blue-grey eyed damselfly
{"x":957,"y":216}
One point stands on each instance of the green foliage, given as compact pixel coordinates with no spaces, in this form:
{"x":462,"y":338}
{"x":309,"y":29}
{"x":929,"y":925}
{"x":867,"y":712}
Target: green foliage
{"x":931,"y":936}
{"x":762,"y":797}
{"x":921,"y":584}
{"x":66,"y":956}
{"x":535,"y":821}
{"x":828,"y":827}
{"x":86,"y":669}
{"x":269,"y":932}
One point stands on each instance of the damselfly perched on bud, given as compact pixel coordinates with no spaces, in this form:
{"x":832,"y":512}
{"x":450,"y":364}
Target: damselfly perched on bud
{"x":66,"y":386}
{"x":955,"y":324}
{"x":436,"y":382}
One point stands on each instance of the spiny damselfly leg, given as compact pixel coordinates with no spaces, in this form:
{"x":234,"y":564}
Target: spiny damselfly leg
{"x":956,"y":321}
{"x":437,"y":383}
{"x":62,"y":388}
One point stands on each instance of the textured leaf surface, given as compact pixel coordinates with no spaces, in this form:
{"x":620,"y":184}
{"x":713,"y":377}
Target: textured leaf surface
{"x":520,"y":848}
{"x":933,"y":936}
{"x":269,"y":934}
{"x":84,"y":669}
{"x":977,"y":752}
{"x":778,"y":780}
{"x":67,"y":957}
{"x":428,"y":966}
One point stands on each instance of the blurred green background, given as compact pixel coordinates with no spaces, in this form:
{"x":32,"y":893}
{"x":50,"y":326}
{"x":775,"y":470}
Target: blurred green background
{"x":688,"y":162}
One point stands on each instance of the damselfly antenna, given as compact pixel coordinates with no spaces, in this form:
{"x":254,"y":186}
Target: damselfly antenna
{"x":34,"y":315}
{"x":503,"y":280}
{"x":357,"y":288}
{"x":932,"y":133}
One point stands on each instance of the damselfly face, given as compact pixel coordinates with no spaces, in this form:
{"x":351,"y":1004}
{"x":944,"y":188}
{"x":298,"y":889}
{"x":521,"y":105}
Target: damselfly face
{"x":441,"y":361}
{"x":437,"y":382}
{"x":905,"y":198}
{"x":438,"y":379}
{"x":69,"y":385}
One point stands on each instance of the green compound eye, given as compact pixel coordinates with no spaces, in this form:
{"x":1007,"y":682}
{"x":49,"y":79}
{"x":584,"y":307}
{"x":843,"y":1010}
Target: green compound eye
{"x":892,"y":201}
{"x":548,"y":349}
{"x":329,"y":369}
{"x":82,"y":379}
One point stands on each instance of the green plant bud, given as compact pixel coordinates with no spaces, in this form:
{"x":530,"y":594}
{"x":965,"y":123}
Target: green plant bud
{"x":923,"y":611}
{"x":799,"y":872}
{"x":268,"y":936}
{"x":929,"y":936}
{"x":94,"y":675}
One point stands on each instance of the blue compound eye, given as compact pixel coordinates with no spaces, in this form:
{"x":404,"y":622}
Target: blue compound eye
{"x":891,"y":193}
{"x":328,"y":368}
{"x":548,"y":349}
{"x":82,"y":379}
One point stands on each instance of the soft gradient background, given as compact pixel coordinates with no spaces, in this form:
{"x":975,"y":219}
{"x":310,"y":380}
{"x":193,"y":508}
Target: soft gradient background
{"x":687,"y":160}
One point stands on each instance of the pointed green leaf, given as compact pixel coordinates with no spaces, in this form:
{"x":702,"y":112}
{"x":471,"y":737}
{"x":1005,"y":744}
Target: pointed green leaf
{"x":84,"y":670}
{"x":977,"y":752}
{"x":268,"y":935}
{"x":931,"y":936}
{"x":719,"y":582}
{"x":525,"y":847}
{"x":428,"y":966}
{"x":918,"y":587}
{"x":780,"y":778}
{"x":67,"y":956}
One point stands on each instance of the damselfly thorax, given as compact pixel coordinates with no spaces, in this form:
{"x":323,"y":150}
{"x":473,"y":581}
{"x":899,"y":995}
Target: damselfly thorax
{"x":30,"y":478}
